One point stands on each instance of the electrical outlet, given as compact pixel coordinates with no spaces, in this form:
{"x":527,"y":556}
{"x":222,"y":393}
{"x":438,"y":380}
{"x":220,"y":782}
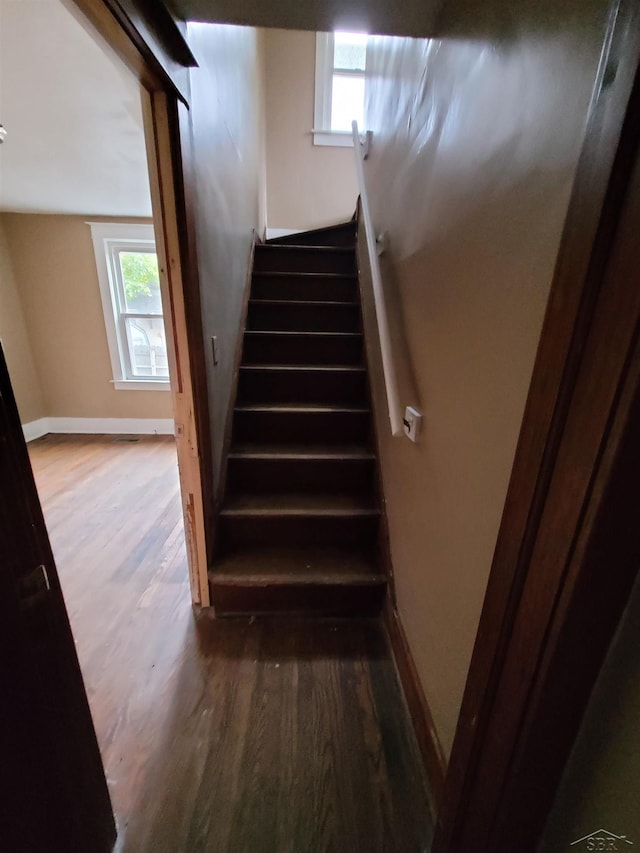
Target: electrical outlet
{"x":214,"y":349}
{"x":412,"y":423}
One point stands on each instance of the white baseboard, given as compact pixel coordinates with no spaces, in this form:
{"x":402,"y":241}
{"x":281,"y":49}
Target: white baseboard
{"x":35,"y":429}
{"x":98,"y":426}
{"x":272,"y":233}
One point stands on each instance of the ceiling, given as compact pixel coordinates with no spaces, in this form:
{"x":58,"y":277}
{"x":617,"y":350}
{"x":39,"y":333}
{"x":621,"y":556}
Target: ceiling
{"x":73,"y":116}
{"x":382,"y":17}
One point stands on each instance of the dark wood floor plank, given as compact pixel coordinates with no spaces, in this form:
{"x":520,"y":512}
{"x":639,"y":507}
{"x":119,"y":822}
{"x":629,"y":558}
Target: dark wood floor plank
{"x":219,"y":736}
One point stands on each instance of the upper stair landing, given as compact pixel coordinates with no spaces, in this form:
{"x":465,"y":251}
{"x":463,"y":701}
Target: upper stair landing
{"x":332,"y":235}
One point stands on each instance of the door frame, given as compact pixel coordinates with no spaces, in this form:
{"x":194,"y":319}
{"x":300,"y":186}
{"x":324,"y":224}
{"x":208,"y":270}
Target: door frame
{"x":537,"y":616}
{"x":152,"y":45}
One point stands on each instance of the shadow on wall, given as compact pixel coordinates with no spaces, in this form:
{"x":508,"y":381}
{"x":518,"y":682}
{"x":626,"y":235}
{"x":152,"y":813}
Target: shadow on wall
{"x":476,"y":141}
{"x":227,"y":139}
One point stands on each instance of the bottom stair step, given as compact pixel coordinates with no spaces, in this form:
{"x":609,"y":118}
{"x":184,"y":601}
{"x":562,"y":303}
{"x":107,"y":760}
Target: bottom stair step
{"x":321,"y":581}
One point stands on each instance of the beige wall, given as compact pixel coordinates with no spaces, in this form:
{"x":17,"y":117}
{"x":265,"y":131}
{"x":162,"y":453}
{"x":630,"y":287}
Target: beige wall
{"x":308,"y":185}
{"x":476,"y":140}
{"x":15,"y":341}
{"x":601,"y":781}
{"x":228,"y":143}
{"x":55,"y":275}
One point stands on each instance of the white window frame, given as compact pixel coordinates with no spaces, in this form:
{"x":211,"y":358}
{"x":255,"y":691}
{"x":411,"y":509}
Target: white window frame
{"x":108,"y":238}
{"x":322,"y":133}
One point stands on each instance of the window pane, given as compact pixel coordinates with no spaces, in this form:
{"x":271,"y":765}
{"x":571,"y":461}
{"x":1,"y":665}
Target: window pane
{"x":147,"y":347}
{"x":141,"y":281}
{"x":350,"y":51}
{"x":347,"y":102}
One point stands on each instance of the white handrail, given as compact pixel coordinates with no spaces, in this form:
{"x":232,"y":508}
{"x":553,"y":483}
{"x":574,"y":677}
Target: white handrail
{"x":388,"y":366}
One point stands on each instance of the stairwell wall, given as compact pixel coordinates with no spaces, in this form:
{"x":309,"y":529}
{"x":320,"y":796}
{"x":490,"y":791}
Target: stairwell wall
{"x":476,"y":140}
{"x":309,"y":186}
{"x":227,"y":138}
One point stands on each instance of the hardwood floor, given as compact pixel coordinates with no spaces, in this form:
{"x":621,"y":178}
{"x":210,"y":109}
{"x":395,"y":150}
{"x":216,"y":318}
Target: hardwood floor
{"x":219,"y":735}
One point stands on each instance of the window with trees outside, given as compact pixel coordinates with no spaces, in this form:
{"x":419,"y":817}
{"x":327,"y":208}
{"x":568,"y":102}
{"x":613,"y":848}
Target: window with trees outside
{"x":340,"y":86}
{"x":129,"y":279}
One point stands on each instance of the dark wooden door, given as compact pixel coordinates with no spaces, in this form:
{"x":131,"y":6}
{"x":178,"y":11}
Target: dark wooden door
{"x":53,"y":793}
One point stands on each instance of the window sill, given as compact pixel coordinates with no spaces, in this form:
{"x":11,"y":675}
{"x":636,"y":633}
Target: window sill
{"x":335,"y":138}
{"x":141,"y":385}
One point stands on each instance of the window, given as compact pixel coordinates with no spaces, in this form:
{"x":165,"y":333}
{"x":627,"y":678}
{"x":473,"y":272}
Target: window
{"x":340,"y":81}
{"x":129,"y":280}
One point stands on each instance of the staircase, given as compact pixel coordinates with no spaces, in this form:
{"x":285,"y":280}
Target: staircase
{"x":299,"y":526}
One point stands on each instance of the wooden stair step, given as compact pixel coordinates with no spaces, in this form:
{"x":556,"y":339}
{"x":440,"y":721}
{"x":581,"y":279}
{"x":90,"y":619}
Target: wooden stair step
{"x":310,"y":519}
{"x":300,"y":258}
{"x":309,"y":287}
{"x":294,"y":315}
{"x":357,"y":598}
{"x":302,"y":383}
{"x":302,"y":564}
{"x":322,"y":581}
{"x":302,"y":424}
{"x":299,"y":504}
{"x":296,"y":347}
{"x":294,"y":451}
{"x":284,"y":470}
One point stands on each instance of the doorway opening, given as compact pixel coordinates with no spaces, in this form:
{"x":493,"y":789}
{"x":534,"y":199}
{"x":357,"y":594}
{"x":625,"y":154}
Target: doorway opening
{"x":89,"y":332}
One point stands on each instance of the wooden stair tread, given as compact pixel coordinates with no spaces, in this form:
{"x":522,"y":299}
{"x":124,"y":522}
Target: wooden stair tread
{"x":313,"y":276}
{"x":281,"y":408}
{"x":319,"y":368}
{"x":311,"y":580}
{"x":296,"y":247}
{"x":316,"y":303}
{"x":302,"y":334}
{"x":299,"y":451}
{"x":299,"y":504}
{"x":296,"y":565}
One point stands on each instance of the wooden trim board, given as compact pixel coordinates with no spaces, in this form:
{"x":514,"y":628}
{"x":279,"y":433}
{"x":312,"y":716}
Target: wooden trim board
{"x":433,"y":758}
{"x":180,"y":344}
{"x":147,"y":38}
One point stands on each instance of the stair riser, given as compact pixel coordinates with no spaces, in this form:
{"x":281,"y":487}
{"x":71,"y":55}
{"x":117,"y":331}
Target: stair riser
{"x":273,"y":386}
{"x":303,"y":318}
{"x":304,"y":428}
{"x":314,"y":290}
{"x":316,"y":600}
{"x":313,"y":530}
{"x":274,"y":259}
{"x":268,"y":476}
{"x":263,"y":349}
